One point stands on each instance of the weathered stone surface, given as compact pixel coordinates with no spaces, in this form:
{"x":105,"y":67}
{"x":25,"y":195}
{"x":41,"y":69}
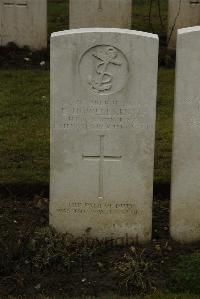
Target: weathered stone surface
{"x":185,"y":193}
{"x":100,"y":13}
{"x":181,"y":14}
{"x":24,"y":22}
{"x":103,"y":108}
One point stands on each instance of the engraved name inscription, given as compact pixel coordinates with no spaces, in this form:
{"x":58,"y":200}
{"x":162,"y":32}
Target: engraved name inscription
{"x":102,"y":115}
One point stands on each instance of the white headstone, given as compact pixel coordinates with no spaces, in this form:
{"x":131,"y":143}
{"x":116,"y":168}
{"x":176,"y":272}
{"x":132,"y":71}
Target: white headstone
{"x":103,"y":108}
{"x":24,"y":22}
{"x":185,"y":193}
{"x":181,"y":14}
{"x":100,"y":13}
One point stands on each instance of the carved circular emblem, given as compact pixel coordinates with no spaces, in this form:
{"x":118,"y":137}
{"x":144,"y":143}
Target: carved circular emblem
{"x":104,"y":69}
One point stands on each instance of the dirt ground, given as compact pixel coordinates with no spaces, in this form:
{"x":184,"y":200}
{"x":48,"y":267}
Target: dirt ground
{"x":93,"y":275}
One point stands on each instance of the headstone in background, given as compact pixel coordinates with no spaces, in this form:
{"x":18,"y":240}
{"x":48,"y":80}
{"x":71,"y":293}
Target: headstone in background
{"x":24,"y":22}
{"x":103,"y":109}
{"x":100,"y":13}
{"x":181,"y":14}
{"x":185,"y":193}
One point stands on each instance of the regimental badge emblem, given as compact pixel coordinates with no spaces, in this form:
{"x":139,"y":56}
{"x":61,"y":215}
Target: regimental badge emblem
{"x":104,"y":69}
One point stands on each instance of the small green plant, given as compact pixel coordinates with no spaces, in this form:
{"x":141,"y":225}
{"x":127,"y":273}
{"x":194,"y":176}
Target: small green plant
{"x":186,"y":275}
{"x":134,"y":273}
{"x":49,"y":248}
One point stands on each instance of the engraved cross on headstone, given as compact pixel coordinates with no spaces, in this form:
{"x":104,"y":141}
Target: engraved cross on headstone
{"x":100,"y":5}
{"x":101,"y":158}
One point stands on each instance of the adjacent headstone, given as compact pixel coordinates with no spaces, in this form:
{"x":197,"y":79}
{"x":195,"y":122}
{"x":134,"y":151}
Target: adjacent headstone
{"x":24,"y":22}
{"x":181,"y":14}
{"x":100,"y":13}
{"x":185,"y":193}
{"x":103,"y":109}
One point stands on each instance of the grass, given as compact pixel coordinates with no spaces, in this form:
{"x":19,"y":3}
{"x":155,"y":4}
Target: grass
{"x":24,"y":126}
{"x":164,"y":125}
{"x":58,"y":15}
{"x":186,"y":274}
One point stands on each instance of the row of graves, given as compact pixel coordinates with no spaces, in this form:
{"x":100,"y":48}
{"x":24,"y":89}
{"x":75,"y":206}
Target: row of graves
{"x":24,"y":22}
{"x":103,"y":113}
